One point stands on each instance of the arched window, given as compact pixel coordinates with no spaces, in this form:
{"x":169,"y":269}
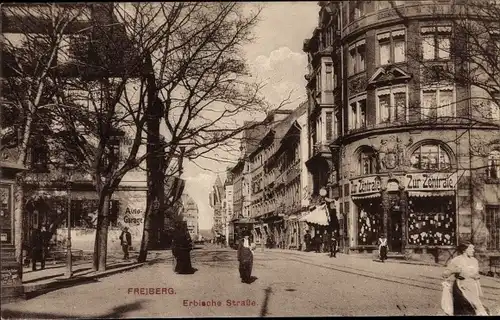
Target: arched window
{"x":430,"y":157}
{"x":494,"y":165}
{"x":367,"y":161}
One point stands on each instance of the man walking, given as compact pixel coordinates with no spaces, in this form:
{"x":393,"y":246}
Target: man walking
{"x":245,"y":258}
{"x":126,"y":242}
{"x":333,"y":245}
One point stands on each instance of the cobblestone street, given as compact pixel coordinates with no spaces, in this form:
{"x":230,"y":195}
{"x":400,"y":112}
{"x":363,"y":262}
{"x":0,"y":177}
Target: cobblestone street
{"x":288,"y":283}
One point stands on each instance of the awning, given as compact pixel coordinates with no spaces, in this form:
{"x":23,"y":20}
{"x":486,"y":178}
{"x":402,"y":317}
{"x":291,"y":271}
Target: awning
{"x":366,"y":196}
{"x":435,"y":193}
{"x":318,"y":216}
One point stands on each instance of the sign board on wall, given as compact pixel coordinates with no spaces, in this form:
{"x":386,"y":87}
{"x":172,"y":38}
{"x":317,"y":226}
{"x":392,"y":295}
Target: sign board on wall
{"x":431,"y":181}
{"x":365,"y":185}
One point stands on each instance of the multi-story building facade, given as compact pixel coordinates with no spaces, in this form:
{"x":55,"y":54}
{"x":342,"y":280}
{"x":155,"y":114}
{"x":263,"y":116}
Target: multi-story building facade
{"x":241,"y":180}
{"x":190,"y":214}
{"x":402,"y":158}
{"x":216,"y":201}
{"x":228,"y":206}
{"x":278,"y":184}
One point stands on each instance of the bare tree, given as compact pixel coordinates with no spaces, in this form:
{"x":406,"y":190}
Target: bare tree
{"x":201,"y":78}
{"x":141,"y":62}
{"x":32,"y":40}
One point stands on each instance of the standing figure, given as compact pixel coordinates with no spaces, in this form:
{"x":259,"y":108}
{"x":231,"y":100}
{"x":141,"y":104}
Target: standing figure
{"x":382,"y":247}
{"x":37,"y":248}
{"x":181,"y":249}
{"x":245,"y":258}
{"x":317,"y":242}
{"x":126,"y":242}
{"x":462,"y":273}
{"x":307,"y":240}
{"x":46,"y":236}
{"x":333,"y":245}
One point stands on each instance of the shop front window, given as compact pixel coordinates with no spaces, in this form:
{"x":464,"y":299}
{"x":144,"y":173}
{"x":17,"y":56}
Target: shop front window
{"x":369,"y":222}
{"x":432,"y":221}
{"x":430,"y":157}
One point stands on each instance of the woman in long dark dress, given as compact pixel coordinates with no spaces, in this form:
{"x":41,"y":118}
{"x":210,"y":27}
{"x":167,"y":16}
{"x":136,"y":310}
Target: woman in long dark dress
{"x":181,"y":249}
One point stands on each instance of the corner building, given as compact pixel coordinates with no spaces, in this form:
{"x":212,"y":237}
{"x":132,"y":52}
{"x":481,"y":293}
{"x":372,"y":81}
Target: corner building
{"x":403,"y":162}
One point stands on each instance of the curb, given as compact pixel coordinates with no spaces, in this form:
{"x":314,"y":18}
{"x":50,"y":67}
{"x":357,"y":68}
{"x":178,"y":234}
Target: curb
{"x":36,"y":289}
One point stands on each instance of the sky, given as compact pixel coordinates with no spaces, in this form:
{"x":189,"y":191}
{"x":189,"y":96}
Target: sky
{"x":276,"y":57}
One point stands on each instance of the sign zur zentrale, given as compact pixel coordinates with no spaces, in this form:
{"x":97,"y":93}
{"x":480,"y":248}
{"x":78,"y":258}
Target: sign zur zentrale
{"x":365,"y":185}
{"x":431,"y":181}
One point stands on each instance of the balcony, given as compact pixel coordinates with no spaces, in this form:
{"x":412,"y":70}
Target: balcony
{"x":320,"y":147}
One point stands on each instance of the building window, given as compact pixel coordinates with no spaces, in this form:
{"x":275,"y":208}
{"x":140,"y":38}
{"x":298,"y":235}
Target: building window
{"x":367,"y":161}
{"x":357,"y":53}
{"x":493,"y":170}
{"x":391,"y":105}
{"x":437,"y":102}
{"x":356,"y":10}
{"x":436,"y":42}
{"x":329,"y":77}
{"x":430,"y":157}
{"x":329,"y":125}
{"x":72,"y":47}
{"x":392,"y":47}
{"x":493,"y":226}
{"x":84,"y":213}
{"x":357,"y":113}
{"x":111,"y":156}
{"x":40,"y":155}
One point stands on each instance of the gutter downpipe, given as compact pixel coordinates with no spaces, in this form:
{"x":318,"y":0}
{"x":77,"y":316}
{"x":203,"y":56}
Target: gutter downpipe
{"x":342,"y":109}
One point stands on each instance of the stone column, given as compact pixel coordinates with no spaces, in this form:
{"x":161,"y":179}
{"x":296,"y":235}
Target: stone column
{"x":385,"y":207}
{"x":403,"y":202}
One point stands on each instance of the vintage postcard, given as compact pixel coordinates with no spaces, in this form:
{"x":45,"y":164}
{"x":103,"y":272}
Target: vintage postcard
{"x":250,"y":159}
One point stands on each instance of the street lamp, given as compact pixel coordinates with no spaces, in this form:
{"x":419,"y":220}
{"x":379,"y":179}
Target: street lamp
{"x":69,"y":262}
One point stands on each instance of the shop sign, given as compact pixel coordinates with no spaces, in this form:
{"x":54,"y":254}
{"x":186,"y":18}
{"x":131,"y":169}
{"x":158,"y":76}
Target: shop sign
{"x":431,"y":181}
{"x":365,"y":185}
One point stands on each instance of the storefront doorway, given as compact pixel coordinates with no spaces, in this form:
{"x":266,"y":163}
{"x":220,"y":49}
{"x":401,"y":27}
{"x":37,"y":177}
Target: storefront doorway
{"x":396,"y":233}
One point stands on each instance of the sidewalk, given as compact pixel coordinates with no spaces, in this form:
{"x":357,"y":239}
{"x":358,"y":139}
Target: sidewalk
{"x":52,"y":277}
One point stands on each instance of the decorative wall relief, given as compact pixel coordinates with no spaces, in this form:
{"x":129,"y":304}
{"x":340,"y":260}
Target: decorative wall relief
{"x":392,"y":153}
{"x":357,"y":85}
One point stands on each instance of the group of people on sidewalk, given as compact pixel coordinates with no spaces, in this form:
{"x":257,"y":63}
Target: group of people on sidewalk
{"x":321,"y":243}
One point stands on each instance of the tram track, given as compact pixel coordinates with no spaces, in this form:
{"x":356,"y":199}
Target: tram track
{"x":412,"y":282}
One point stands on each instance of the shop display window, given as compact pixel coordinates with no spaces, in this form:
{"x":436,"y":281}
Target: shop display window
{"x":431,"y":221}
{"x":369,"y":222}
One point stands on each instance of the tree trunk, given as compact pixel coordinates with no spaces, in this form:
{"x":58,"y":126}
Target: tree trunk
{"x":101,"y":237}
{"x":18,"y":221}
{"x":146,"y":234}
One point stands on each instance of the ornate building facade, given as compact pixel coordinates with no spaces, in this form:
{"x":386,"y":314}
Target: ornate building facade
{"x":277,"y":182}
{"x":403,"y":162}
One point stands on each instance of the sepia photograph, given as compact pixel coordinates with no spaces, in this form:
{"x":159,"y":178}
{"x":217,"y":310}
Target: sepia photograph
{"x":250,"y":159}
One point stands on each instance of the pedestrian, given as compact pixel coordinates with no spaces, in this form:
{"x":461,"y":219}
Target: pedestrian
{"x":307,"y":240}
{"x":326,"y":241}
{"x":382,"y":247}
{"x":462,"y":275}
{"x":181,"y":249}
{"x":46,"y":236}
{"x":126,"y":242}
{"x":317,"y":241}
{"x":245,"y":258}
{"x":333,"y":245}
{"x":37,"y":248}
